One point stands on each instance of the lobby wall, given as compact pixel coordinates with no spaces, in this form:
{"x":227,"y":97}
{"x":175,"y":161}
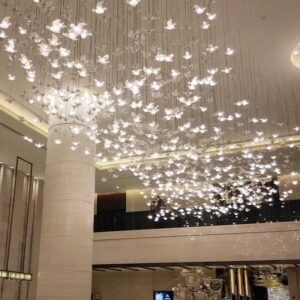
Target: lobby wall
{"x":10,"y":289}
{"x":129,"y":285}
{"x":230,"y":243}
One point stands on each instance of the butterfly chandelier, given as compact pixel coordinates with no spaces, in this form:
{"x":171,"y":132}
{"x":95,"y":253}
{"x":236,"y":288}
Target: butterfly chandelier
{"x":163,"y":87}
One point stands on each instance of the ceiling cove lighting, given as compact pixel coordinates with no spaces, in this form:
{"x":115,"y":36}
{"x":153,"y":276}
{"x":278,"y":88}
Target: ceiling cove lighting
{"x":12,"y":275}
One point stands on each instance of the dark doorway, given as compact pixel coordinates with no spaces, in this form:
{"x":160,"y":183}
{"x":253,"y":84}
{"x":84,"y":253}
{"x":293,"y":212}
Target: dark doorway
{"x":260,"y":293}
{"x":111,"y":210}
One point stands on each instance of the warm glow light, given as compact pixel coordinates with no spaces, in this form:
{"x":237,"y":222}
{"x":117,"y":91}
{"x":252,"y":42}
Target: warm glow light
{"x":295,"y":56}
{"x":12,"y":275}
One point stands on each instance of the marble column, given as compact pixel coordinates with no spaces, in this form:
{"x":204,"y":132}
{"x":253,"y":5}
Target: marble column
{"x":65,"y":262}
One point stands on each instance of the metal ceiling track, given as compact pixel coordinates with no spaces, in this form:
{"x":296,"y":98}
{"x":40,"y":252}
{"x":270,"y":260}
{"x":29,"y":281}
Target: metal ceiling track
{"x":191,"y":265}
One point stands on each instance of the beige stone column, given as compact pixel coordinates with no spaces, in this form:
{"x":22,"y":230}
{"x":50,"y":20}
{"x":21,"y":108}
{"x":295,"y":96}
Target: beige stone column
{"x":65,"y":263}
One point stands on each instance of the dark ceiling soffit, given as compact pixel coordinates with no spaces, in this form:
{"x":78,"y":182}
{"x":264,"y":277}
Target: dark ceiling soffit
{"x":188,"y":265}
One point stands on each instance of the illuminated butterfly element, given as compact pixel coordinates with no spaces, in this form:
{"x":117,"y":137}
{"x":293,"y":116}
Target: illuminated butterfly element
{"x":211,"y":16}
{"x":84,"y":34}
{"x":211,"y":48}
{"x":83,"y":72}
{"x":39,"y":145}
{"x":151,"y":108}
{"x":100,"y":9}
{"x":254,"y":120}
{"x":156,"y":86}
{"x":3,"y":35}
{"x":44,"y":49}
{"x":11,"y":77}
{"x":171,"y":25}
{"x":10,"y":46}
{"x":190,"y":101}
{"x":205,"y":25}
{"x":136,"y":72}
{"x":122,"y":102}
{"x":22,"y":30}
{"x":117,"y":91}
{"x":31,"y":75}
{"x":25,"y":62}
{"x":63,"y":52}
{"x":242,"y":103}
{"x":145,"y":88}
{"x":69,"y":64}
{"x":193,"y":83}
{"x":54,"y":63}
{"x":104,"y":60}
{"x":36,"y":37}
{"x":133,"y":3}
{"x":187,"y":55}
{"x":136,"y":104}
{"x":28,"y":139}
{"x":212,"y":71}
{"x":175,"y":113}
{"x":151,"y":70}
{"x":54,"y":41}
{"x":103,"y":179}
{"x":5,"y":23}
{"x":77,"y":30}
{"x":57,"y":75}
{"x":199,"y":129}
{"x":78,"y":65}
{"x":164,"y":57}
{"x":134,"y":86}
{"x":137,"y":118}
{"x":56,"y":26}
{"x":184,"y":127}
{"x":99,"y":83}
{"x":226,"y":70}
{"x":229,"y":51}
{"x":199,"y":10}
{"x":175,"y":73}
{"x":58,"y":141}
{"x":76,"y":129}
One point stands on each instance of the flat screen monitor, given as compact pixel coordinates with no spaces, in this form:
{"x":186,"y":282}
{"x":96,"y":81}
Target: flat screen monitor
{"x":163,"y":295}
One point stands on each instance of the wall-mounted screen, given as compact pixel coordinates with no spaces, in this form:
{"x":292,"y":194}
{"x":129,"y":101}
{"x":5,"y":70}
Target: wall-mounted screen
{"x":163,"y":295}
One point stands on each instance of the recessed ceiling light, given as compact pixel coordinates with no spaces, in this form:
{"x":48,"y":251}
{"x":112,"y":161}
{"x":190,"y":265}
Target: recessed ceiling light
{"x":295,"y":56}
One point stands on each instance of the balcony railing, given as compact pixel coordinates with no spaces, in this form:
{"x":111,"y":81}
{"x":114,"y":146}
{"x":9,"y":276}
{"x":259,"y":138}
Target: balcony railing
{"x":120,"y":221}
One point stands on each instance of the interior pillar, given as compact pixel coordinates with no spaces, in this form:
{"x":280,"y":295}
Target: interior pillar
{"x":66,"y":247}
